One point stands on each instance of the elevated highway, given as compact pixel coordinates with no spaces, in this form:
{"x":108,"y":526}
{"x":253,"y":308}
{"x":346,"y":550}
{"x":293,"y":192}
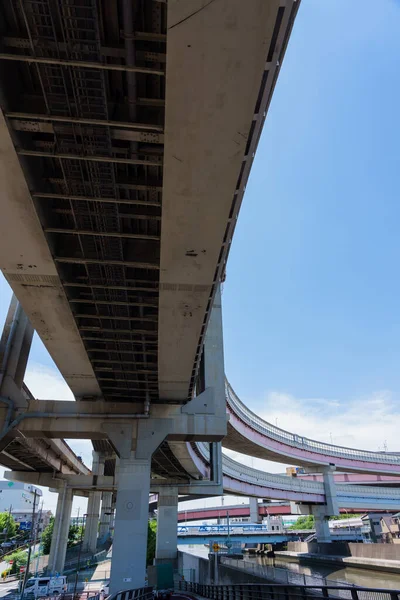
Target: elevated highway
{"x":251,"y":435}
{"x":123,"y":173}
{"x":43,"y":455}
{"x":127,"y":134}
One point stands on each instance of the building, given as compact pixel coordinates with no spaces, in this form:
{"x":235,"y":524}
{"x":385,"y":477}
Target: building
{"x":374,"y":521}
{"x":18,"y":497}
{"x":24,"y":519}
{"x":390,"y":529}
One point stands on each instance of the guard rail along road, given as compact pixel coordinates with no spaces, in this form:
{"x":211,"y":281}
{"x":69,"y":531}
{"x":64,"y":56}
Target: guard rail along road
{"x":249,"y":434}
{"x":257,"y":591}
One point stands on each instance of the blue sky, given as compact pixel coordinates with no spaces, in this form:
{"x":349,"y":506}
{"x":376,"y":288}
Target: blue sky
{"x":311,"y":300}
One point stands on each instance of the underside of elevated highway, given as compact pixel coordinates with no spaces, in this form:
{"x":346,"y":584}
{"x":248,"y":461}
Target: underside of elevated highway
{"x":127,"y":135}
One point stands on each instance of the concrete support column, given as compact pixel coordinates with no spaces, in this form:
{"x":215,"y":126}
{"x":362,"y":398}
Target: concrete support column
{"x":128,"y":565}
{"x":105,"y":515}
{"x":59,"y":541}
{"x":254,"y":514}
{"x":321,"y":519}
{"x":93,"y":509}
{"x":167,"y":522}
{"x":332,"y":506}
{"x":212,"y":375}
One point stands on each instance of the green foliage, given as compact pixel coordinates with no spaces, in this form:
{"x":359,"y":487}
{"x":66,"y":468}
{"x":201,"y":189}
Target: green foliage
{"x":19,"y":559}
{"x":7,"y":525}
{"x":151,"y":541}
{"x":47,"y":535}
{"x":305,"y":522}
{"x":74,"y":535}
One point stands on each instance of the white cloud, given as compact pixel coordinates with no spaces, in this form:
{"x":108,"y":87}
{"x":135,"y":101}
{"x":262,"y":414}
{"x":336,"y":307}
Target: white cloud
{"x":369,"y":423}
{"x":366,"y":423}
{"x":46,"y":383}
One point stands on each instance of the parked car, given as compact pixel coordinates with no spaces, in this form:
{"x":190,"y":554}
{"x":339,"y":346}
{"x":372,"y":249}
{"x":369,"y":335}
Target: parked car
{"x":8,"y":545}
{"x":45,"y":586}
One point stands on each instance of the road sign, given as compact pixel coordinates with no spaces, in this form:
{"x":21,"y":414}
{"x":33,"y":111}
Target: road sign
{"x":215,"y":547}
{"x":22,"y":569}
{"x":10,"y":562}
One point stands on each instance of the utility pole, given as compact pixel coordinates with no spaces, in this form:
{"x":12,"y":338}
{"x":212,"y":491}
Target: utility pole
{"x":9,"y":516}
{"x":30,"y":546}
{"x":40,"y":540}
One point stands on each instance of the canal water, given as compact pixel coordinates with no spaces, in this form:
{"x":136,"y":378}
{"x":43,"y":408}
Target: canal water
{"x":361,"y":577}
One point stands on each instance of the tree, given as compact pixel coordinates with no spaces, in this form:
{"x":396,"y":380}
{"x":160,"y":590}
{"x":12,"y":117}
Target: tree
{"x":305,"y":522}
{"x":7,"y":524}
{"x":74,"y":535}
{"x":151,"y":540}
{"x":19,"y":559}
{"x":47,"y":535}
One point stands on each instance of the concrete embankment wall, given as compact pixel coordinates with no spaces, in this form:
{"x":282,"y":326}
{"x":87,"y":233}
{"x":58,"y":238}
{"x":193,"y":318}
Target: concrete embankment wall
{"x":375,"y":551}
{"x":200,"y":570}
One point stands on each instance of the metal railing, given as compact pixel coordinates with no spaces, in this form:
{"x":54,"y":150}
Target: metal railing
{"x":144,"y":593}
{"x":298,"y":441}
{"x":279,"y":574}
{"x":255,"y":591}
{"x":242,"y":472}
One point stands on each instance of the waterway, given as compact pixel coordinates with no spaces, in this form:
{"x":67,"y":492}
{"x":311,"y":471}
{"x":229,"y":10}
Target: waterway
{"x":361,"y":577}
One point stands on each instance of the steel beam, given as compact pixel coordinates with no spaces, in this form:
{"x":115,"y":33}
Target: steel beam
{"x":111,"y":369}
{"x":79,"y":64}
{"x":117,"y":350}
{"x":133,"y":236}
{"x":117,"y":318}
{"x":88,"y":158}
{"x":105,"y":330}
{"x":117,"y":341}
{"x":111,"y":302}
{"x":81,"y":121}
{"x":121,"y":215}
{"x":110,"y":287}
{"x":94,"y":199}
{"x":106,"y":261}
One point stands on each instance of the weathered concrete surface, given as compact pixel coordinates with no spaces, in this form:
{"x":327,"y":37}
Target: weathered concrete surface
{"x":28,"y":266}
{"x":385,"y":557}
{"x":212,"y":86}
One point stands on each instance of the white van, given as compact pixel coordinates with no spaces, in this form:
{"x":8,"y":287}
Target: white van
{"x":45,"y":586}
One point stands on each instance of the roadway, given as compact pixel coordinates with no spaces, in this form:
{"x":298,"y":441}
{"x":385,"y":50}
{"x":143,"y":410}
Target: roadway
{"x":109,"y":123}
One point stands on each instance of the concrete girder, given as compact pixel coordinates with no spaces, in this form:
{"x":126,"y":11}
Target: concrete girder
{"x":28,"y":266}
{"x":90,"y":420}
{"x":69,"y":456}
{"x":214,"y":88}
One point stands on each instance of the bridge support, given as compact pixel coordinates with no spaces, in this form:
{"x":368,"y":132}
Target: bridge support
{"x":167,"y":520}
{"x":321,"y":520}
{"x":254,"y":514}
{"x":93,"y":509}
{"x":105,"y":515}
{"x":128,"y":565}
{"x":59,"y":540}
